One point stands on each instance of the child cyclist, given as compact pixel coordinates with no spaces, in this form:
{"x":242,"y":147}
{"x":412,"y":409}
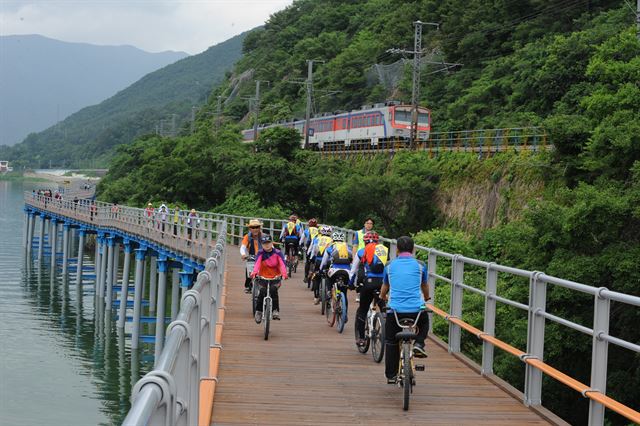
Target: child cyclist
{"x":269,"y":264}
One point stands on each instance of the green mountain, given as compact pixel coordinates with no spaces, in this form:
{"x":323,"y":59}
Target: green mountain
{"x":161,"y":100}
{"x":45,"y":80}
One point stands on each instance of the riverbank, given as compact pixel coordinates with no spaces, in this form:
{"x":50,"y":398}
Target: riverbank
{"x":19,"y":177}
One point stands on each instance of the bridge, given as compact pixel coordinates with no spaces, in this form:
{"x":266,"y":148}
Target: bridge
{"x":212,"y":366}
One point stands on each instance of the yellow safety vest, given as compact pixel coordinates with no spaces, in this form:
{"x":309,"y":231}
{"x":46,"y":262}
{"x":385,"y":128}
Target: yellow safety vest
{"x":382,"y":253}
{"x":323,"y":242}
{"x":313,"y":232}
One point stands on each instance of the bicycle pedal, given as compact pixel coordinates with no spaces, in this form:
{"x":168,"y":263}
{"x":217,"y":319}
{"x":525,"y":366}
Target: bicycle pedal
{"x":419,"y":367}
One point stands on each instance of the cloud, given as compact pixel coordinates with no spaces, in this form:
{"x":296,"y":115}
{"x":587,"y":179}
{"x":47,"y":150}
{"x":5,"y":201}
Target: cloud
{"x":152,"y":25}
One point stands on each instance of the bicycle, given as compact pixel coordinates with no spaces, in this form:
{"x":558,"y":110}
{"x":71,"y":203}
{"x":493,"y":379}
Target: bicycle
{"x":249,"y":265}
{"x":336,"y":310}
{"x":324,"y":300}
{"x":373,"y":330}
{"x":291,"y":259}
{"x":267,"y":302}
{"x":406,"y":369}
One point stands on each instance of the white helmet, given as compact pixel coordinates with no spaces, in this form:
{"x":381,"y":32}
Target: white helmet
{"x":325,"y":230}
{"x":338,"y":236}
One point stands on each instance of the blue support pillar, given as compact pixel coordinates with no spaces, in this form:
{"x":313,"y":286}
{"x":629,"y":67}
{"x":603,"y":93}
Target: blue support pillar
{"x":163,"y":267}
{"x":122,"y":313}
{"x":141,"y":253}
{"x":65,"y":247}
{"x":110,"y":265}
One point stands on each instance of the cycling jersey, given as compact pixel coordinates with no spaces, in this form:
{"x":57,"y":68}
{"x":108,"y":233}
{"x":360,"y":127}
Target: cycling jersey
{"x":328,"y":258}
{"x":405,"y":275}
{"x":270,"y":264}
{"x":374,"y":257}
{"x":291,"y":231}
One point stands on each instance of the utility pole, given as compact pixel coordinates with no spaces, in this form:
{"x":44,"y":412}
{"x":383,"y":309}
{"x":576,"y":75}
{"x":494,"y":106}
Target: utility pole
{"x":638,"y":19}
{"x":415,"y":92}
{"x":218,"y":113}
{"x":257,"y":108}
{"x":193,"y":118}
{"x":309,"y":94}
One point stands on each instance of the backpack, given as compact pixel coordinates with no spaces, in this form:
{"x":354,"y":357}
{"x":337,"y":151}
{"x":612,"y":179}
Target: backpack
{"x":340,"y":254}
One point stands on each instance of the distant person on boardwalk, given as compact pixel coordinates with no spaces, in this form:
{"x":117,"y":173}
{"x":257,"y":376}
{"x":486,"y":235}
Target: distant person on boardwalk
{"x":269,"y":264}
{"x":176,"y":219}
{"x":93,"y":209}
{"x":164,"y":214}
{"x":406,"y":290}
{"x":193,"y":222}
{"x":114,"y":211}
{"x":250,"y":247}
{"x":149,"y":213}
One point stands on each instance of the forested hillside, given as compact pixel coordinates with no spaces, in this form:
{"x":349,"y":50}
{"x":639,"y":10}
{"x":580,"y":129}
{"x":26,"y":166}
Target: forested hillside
{"x":89,"y":136}
{"x":571,"y":66}
{"x":44,"y":80}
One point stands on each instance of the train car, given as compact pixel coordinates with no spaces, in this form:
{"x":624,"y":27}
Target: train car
{"x":370,"y":125}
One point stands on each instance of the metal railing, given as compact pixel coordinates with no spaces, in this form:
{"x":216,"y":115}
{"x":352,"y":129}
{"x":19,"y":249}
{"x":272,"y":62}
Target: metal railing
{"x":537,"y":315}
{"x":170,"y":394}
{"x":165,"y":385}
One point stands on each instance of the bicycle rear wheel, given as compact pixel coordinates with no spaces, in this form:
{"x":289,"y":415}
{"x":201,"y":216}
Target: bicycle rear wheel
{"x":377,"y":338}
{"x":266,"y":317}
{"x":407,"y":378}
{"x":341,"y":314}
{"x":364,"y":347}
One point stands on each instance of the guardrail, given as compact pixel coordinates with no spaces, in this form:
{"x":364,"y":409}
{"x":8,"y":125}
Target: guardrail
{"x":170,"y":394}
{"x":537,"y":315}
{"x":164,"y":386}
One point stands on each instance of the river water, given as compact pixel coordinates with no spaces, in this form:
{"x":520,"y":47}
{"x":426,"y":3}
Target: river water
{"x":61,"y":362}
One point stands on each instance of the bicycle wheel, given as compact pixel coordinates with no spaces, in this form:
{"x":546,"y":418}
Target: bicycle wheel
{"x":342,"y":312}
{"x":266,"y":317}
{"x":377,"y":338}
{"x":323,"y":296}
{"x":289,"y":268}
{"x":331,"y":311}
{"x":254,"y":296}
{"x":407,"y":375}
{"x":365,"y":347}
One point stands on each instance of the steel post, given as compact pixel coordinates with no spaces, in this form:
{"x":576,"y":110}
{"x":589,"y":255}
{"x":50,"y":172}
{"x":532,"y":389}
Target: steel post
{"x":116,"y":262}
{"x":432,"y":259}
{"x":599,"y":357}
{"x":455,"y":307}
{"x":535,"y":339}
{"x":153,"y":284}
{"x":53,"y":242}
{"x":25,"y":230}
{"x":175,"y":293}
{"x":65,"y":248}
{"x":491,"y":288}
{"x":104,"y":255}
{"x":162,"y":292}
{"x":30,"y":225}
{"x":80,"y":255}
{"x":41,"y":238}
{"x":122,"y":312}
{"x":137,"y":301}
{"x":109,"y":278}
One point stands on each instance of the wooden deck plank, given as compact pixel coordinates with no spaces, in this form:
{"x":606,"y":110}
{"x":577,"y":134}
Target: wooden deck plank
{"x":307,"y":373}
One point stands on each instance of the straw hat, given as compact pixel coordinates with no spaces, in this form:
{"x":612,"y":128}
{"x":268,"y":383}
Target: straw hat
{"x":255,"y":222}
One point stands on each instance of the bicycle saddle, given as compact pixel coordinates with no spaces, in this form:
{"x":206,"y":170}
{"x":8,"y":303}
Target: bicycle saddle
{"x":405,"y":335}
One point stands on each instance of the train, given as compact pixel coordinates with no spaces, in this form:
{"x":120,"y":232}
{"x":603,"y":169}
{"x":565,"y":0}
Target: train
{"x":372,"y":125}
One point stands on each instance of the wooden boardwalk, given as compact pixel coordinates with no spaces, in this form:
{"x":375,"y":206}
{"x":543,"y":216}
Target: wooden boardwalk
{"x":307,"y":373}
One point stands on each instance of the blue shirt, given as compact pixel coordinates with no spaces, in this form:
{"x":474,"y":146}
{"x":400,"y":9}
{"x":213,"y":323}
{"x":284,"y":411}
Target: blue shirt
{"x":405,"y":275}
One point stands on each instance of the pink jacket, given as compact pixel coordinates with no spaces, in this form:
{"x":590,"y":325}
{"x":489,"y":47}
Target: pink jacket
{"x":270,"y":265}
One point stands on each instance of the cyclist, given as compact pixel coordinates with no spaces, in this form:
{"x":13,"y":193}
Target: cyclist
{"x":291,"y":235}
{"x":250,"y":247}
{"x":308,"y":236}
{"x":269,"y":264}
{"x":316,"y":252}
{"x":337,"y":259}
{"x":405,"y":288}
{"x":358,"y":243}
{"x":374,"y":257}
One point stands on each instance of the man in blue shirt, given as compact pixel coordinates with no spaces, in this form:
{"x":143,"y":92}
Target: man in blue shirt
{"x":405,"y":288}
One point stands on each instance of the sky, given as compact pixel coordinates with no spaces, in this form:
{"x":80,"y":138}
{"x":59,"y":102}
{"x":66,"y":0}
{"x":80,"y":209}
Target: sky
{"x":153,"y":25}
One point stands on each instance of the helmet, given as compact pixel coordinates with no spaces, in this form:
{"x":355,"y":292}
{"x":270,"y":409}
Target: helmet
{"x":293,"y":218}
{"x":266,"y":238}
{"x":313,"y":222}
{"x":325,"y":230}
{"x":338,"y":236}
{"x":371,"y":237}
